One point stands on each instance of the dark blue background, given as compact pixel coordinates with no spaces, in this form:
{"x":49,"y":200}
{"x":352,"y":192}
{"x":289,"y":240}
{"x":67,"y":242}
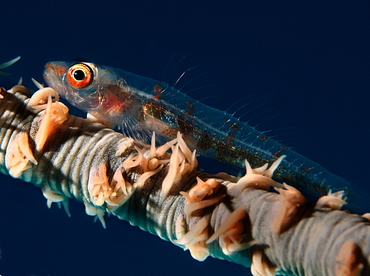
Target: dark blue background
{"x":302,"y":70}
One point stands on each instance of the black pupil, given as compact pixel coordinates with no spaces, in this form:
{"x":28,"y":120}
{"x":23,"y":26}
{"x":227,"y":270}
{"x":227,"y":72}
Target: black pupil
{"x":79,"y":75}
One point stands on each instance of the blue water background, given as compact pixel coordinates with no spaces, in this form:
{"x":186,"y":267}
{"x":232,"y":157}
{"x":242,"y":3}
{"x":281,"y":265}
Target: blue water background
{"x":301,"y":70}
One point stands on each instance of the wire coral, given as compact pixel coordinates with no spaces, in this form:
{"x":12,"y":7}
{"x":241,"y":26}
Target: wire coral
{"x":161,"y":190}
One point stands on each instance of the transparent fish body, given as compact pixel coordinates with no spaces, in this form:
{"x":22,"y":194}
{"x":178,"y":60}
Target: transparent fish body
{"x":143,"y":105}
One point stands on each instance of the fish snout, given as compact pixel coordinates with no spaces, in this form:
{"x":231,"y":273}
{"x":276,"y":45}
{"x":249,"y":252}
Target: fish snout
{"x":54,"y":74}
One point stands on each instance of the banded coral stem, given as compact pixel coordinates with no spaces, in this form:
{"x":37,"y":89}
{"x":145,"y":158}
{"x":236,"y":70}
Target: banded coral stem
{"x":70,"y":157}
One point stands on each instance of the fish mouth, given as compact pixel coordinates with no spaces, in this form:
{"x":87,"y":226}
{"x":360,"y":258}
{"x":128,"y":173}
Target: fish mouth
{"x":54,"y":74}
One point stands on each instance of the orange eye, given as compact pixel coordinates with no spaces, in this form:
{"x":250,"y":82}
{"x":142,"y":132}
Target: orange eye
{"x":80,"y":75}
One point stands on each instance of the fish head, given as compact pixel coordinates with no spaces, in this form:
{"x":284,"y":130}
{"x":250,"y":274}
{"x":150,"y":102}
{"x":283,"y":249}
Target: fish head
{"x":96,"y":89}
{"x":74,"y":82}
